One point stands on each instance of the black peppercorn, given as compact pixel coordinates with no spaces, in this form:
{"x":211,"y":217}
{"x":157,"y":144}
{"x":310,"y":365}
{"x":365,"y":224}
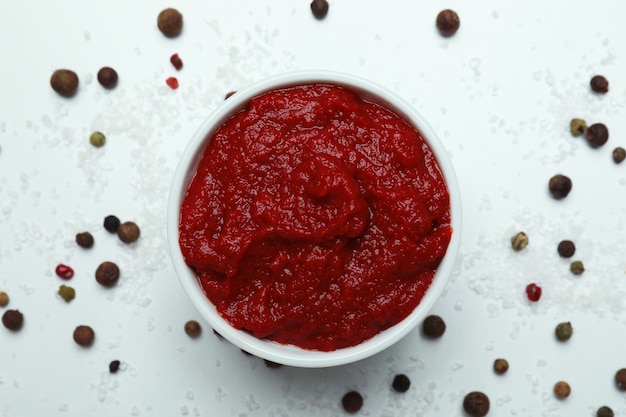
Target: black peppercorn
{"x":64,"y":82}
{"x":401,"y":383}
{"x":599,"y":84}
{"x":107,"y":274}
{"x":476,"y":404}
{"x":319,"y":8}
{"x":111,"y":223}
{"x":605,"y":411}
{"x":433,"y":326}
{"x":114,"y":366}
{"x":566,"y":248}
{"x":560,"y":186}
{"x":619,"y":154}
{"x":448,"y":22}
{"x":107,"y":77}
{"x":352,"y":401}
{"x":84,"y":240}
{"x":597,"y":135}
{"x":13,"y":319}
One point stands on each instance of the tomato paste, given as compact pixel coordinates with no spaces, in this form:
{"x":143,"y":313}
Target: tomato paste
{"x":315,"y":218}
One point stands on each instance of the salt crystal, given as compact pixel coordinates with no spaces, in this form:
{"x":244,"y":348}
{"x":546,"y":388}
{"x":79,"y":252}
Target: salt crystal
{"x":184,"y":410}
{"x":456,"y":366}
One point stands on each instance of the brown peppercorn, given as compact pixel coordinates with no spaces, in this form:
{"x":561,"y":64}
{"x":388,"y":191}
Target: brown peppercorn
{"x":560,"y":186}
{"x":64,"y":82}
{"x":599,"y":84}
{"x":114,"y":366}
{"x":434,"y":326}
{"x":500,"y":366}
{"x":13,"y":320}
{"x":562,"y":389}
{"x":84,"y":240}
{"x":107,"y":274}
{"x":107,"y":77}
{"x":352,"y":401}
{"x":448,"y":22}
{"x":563,"y":331}
{"x":319,"y":8}
{"x":605,"y":411}
{"x":566,"y":248}
{"x":577,"y":267}
{"x":401,"y":383}
{"x":597,"y":135}
{"x":620,"y":379}
{"x":619,"y":154}
{"x":4,"y":299}
{"x":192,"y":328}
{"x":170,"y":22}
{"x":476,"y":404}
{"x":577,"y":127}
{"x":128,"y":232}
{"x":519,"y":241}
{"x":84,"y":335}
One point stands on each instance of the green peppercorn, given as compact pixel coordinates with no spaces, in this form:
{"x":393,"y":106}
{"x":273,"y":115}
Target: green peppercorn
{"x":519,"y":241}
{"x":97,"y":139}
{"x":577,"y":267}
{"x":67,"y":293}
{"x":577,"y":127}
{"x":564,"y":331}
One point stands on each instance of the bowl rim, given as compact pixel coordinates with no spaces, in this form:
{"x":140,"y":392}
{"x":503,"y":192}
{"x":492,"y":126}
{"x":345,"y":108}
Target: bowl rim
{"x":287,"y":354}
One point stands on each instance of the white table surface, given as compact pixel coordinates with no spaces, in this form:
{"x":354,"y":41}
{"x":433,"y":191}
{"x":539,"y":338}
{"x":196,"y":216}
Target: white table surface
{"x":500,"y":93}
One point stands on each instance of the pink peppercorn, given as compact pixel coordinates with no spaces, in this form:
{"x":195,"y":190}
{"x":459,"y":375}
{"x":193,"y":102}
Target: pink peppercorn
{"x":533,"y":292}
{"x":172,"y":82}
{"x":64,"y":271}
{"x":176,"y":61}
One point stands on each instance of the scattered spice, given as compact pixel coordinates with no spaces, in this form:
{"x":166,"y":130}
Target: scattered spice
{"x":533,"y":292}
{"x":352,"y":401}
{"x":500,"y":366}
{"x":107,"y":274}
{"x":192,"y":328}
{"x":597,"y":135}
{"x":97,"y":139}
{"x":619,"y":154}
{"x":566,"y":248}
{"x":271,"y":364}
{"x":172,"y":82}
{"x":4,"y":299}
{"x":560,"y":186}
{"x":107,"y":77}
{"x":319,"y":8}
{"x":176,"y":62}
{"x":599,"y":84}
{"x":114,"y":366}
{"x":13,"y":320}
{"x":577,"y":267}
{"x":128,"y":232}
{"x":562,"y":389}
{"x":64,"y":271}
{"x":67,"y":293}
{"x":577,"y":127}
{"x":564,"y":331}
{"x":84,"y":240}
{"x":230,"y":93}
{"x":433,"y":326}
{"x":519,"y":241}
{"x":605,"y":411}
{"x":448,"y":22}
{"x":64,"y":82}
{"x":476,"y":404}
{"x":620,"y":379}
{"x":84,"y":335}
{"x":111,"y":223}
{"x":170,"y":22}
{"x":401,"y":383}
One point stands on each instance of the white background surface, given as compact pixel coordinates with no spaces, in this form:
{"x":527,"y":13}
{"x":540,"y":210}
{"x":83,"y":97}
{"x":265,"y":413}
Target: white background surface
{"x":500,"y":93}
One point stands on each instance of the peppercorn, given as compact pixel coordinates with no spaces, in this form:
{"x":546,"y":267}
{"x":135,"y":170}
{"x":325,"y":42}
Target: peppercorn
{"x":401,"y":383}
{"x":599,"y":84}
{"x":566,"y":248}
{"x":533,"y":292}
{"x":13,"y":320}
{"x":577,"y":127}
{"x":519,"y":241}
{"x":84,"y":240}
{"x":352,"y":401}
{"x":170,"y":22}
{"x":562,"y":389}
{"x":605,"y":411}
{"x":597,"y":135}
{"x":64,"y":271}
{"x":319,"y":8}
{"x":476,"y":404}
{"x":447,"y":22}
{"x":500,"y":366}
{"x":128,"y":232}
{"x":192,"y":328}
{"x":434,"y":326}
{"x":67,"y":293}
{"x":560,"y":186}
{"x":619,"y":154}
{"x":107,"y":77}
{"x":114,"y":366}
{"x":84,"y":335}
{"x":97,"y":139}
{"x":620,"y":379}
{"x":111,"y":223}
{"x":4,"y":299}
{"x":577,"y":267}
{"x":107,"y":274}
{"x":564,"y":331}
{"x":271,"y":364}
{"x":176,"y":62}
{"x":64,"y":82}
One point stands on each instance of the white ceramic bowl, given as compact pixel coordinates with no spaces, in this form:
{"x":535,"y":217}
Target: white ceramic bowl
{"x":286,"y":354}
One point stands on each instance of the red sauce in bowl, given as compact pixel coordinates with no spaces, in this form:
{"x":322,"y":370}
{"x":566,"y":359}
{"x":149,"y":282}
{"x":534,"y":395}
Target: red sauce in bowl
{"x":315,"y":218}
